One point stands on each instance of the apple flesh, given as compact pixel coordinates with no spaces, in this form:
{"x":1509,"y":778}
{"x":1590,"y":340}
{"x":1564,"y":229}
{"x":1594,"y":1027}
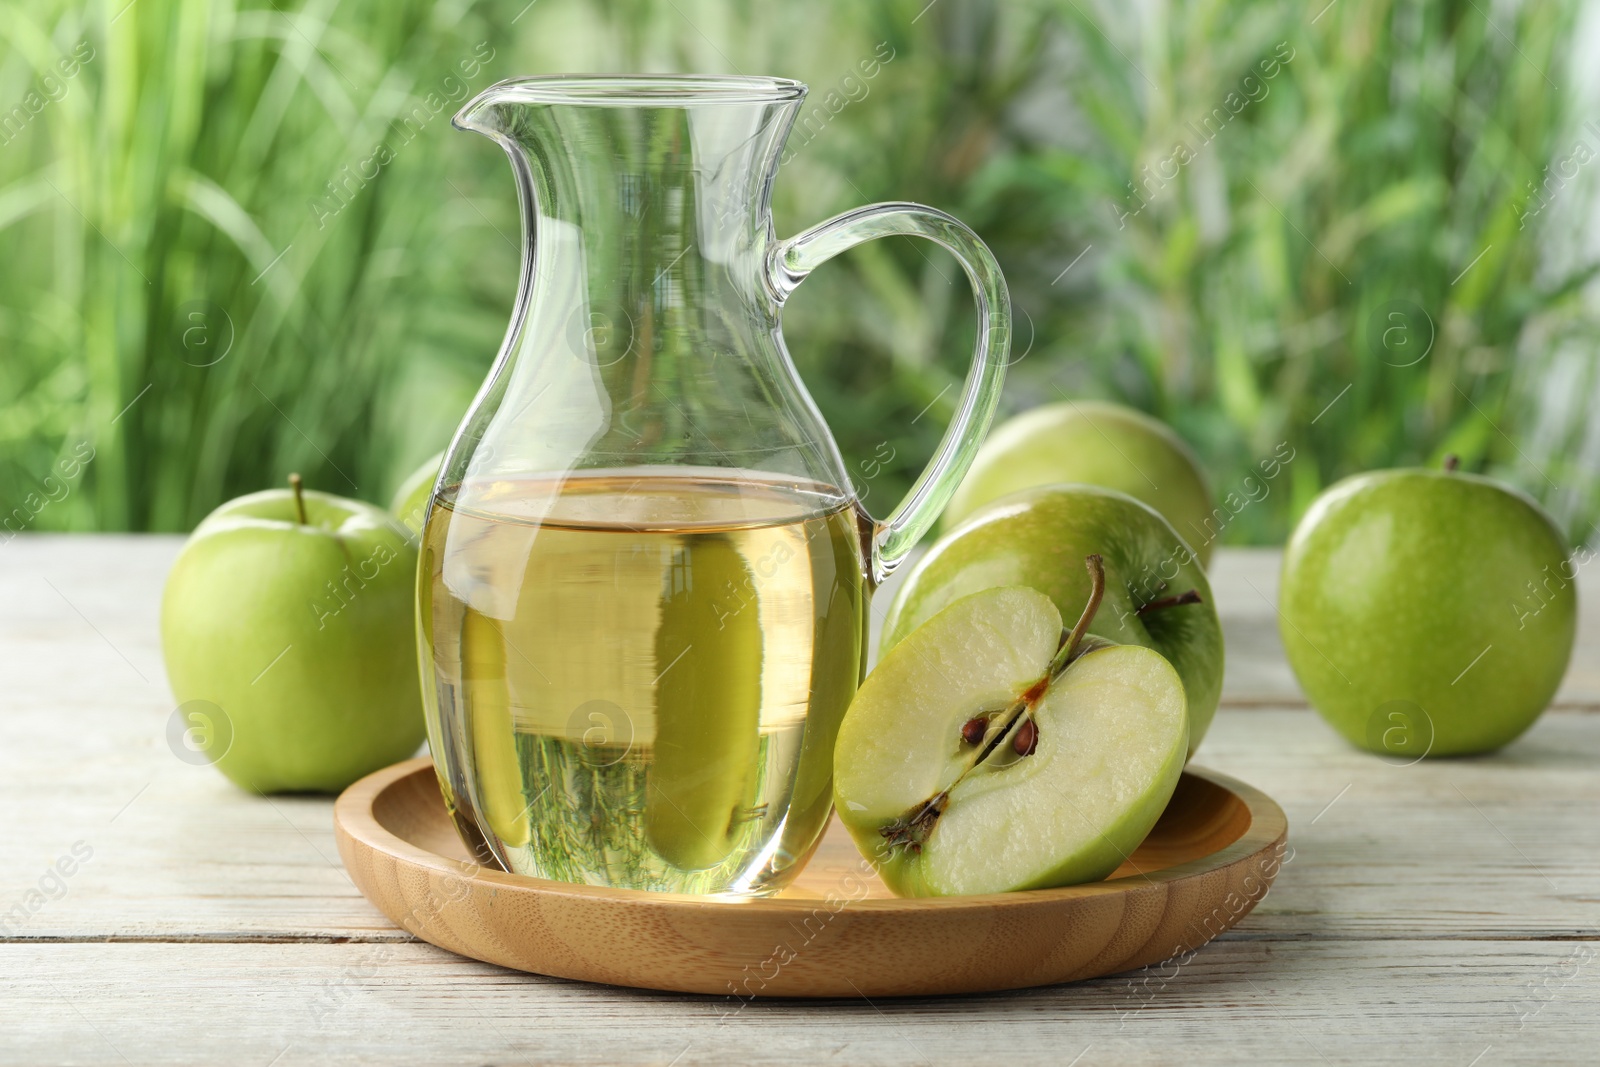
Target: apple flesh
{"x":1427,"y":612}
{"x":1093,"y":443}
{"x":294,"y":615}
{"x":1105,"y":740}
{"x":1039,"y":538}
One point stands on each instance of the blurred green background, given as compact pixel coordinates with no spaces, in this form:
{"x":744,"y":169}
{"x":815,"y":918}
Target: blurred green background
{"x":1362,"y":229}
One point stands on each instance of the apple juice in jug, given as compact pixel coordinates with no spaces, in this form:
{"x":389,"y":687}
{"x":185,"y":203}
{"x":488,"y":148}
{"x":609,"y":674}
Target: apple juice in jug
{"x":646,"y":670}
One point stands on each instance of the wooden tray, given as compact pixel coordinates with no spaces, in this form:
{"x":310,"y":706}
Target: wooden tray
{"x":836,"y":932}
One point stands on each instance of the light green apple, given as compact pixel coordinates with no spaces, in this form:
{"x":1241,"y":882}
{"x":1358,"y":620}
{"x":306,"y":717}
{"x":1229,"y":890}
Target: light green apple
{"x":1039,"y":538}
{"x":1427,"y":612}
{"x":1095,"y":443}
{"x":707,"y":751}
{"x":985,"y":754}
{"x":294,"y":615}
{"x":410,"y":501}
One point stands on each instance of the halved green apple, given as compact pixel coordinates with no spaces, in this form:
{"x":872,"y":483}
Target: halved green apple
{"x":989,"y":752}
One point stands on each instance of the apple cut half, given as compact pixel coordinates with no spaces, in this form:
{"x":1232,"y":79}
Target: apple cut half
{"x":990,"y":752}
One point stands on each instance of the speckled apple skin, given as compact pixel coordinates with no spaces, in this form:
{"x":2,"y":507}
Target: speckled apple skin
{"x":1040,"y":537}
{"x":1431,"y":590}
{"x":1093,"y":443}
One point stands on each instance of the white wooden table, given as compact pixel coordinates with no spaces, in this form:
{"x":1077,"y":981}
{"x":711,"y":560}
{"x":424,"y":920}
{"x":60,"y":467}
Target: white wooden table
{"x":1440,"y":913}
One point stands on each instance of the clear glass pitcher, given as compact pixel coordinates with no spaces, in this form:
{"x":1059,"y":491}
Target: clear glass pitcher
{"x":644,"y":580}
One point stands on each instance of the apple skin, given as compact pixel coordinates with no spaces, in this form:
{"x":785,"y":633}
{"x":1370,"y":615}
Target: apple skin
{"x":345,"y":698}
{"x":410,"y":501}
{"x":1395,"y":581}
{"x":1092,"y":443}
{"x":1039,"y":538}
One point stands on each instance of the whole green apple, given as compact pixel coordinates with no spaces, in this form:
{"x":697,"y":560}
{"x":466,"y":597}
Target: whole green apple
{"x":1427,"y":612}
{"x":294,"y":614}
{"x":410,"y":501}
{"x":1094,"y":443}
{"x":1039,"y":538}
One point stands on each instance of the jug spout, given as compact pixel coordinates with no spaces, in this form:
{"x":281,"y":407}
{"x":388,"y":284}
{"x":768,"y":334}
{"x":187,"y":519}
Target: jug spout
{"x":632,"y":91}
{"x":621,"y":92}
{"x":478,"y":114}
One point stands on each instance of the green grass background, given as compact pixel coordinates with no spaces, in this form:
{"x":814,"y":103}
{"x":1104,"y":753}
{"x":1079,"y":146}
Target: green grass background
{"x":167,"y":203}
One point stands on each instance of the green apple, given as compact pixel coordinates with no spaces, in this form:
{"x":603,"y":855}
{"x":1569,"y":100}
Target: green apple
{"x":491,"y":723}
{"x":1427,"y":611}
{"x":410,"y":502}
{"x":1095,"y":443}
{"x":1156,"y":592}
{"x":980,"y":757}
{"x":294,"y":614}
{"x":703,"y":775}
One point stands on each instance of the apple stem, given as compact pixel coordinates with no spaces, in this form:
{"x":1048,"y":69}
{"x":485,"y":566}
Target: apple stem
{"x":1097,"y":591}
{"x":1452,"y":461}
{"x":1162,"y":604}
{"x":299,"y":497}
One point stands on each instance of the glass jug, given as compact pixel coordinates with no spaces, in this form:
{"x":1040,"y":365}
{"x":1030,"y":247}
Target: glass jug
{"x":644,"y":577}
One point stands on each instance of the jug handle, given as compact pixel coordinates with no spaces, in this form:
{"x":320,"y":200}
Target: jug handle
{"x":791,"y":261}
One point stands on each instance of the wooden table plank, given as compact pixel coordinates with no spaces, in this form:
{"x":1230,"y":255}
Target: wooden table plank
{"x":1503,"y":845}
{"x":176,"y":850}
{"x":1363,"y":1002}
{"x":1425,"y":907}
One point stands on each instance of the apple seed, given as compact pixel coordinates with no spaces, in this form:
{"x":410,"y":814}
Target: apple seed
{"x":973,"y":730}
{"x":1026,"y":739}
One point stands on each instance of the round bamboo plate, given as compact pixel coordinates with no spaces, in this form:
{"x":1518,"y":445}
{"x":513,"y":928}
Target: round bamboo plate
{"x":836,"y":932}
